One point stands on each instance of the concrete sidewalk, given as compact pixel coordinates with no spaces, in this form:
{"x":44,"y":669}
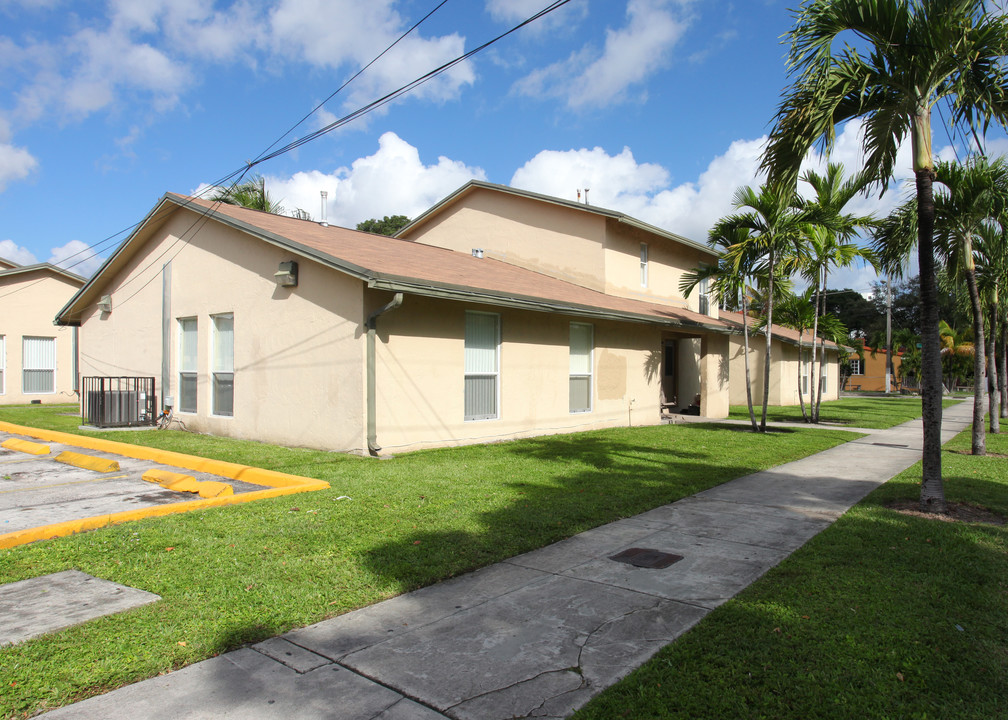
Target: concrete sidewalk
{"x":539,"y":634}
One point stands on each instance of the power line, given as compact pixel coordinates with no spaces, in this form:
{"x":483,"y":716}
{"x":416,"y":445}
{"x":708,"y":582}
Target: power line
{"x":402,"y":90}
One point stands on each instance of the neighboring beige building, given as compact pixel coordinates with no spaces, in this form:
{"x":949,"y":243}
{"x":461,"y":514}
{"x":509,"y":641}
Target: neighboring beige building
{"x":785,"y":375}
{"x":369,"y":342}
{"x":38,"y":360}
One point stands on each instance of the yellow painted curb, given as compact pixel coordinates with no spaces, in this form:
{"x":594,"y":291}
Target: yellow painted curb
{"x":88,"y":462}
{"x":165,"y":477}
{"x":279,"y":483}
{"x":25,"y":446}
{"x":46,"y":532}
{"x":233,"y":471}
{"x":187,"y":483}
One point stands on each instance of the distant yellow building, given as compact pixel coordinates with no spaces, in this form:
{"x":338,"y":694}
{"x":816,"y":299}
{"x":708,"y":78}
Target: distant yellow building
{"x":869,"y":374}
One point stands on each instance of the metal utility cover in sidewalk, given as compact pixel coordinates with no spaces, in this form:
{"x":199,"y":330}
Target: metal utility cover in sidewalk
{"x":646,"y":558}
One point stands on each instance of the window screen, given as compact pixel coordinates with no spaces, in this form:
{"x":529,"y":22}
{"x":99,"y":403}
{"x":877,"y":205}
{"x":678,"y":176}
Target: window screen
{"x":580,"y":381}
{"x":223,"y":364}
{"x":38,"y":365}
{"x":188,"y":340}
{"x":482,"y":353}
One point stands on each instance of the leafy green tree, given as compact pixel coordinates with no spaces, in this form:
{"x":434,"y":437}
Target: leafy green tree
{"x":908,"y":56}
{"x":389,"y":225}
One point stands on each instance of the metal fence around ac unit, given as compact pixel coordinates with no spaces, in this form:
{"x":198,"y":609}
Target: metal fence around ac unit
{"x":118,"y":401}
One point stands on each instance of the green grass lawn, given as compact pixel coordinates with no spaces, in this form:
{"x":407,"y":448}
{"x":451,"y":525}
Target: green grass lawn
{"x":242,"y":573}
{"x":862,"y":412}
{"x":882,"y":615}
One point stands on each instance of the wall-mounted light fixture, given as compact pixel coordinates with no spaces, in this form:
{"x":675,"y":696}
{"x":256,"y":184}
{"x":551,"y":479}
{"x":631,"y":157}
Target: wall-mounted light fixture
{"x":287,"y":275}
{"x":105,"y":304}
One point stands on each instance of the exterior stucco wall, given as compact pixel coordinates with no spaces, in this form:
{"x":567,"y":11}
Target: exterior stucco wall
{"x":420,"y":375}
{"x":872,"y":379}
{"x":563,"y":242}
{"x":783,"y":372}
{"x":298,"y":352}
{"x":28,"y":305}
{"x":667,"y":263}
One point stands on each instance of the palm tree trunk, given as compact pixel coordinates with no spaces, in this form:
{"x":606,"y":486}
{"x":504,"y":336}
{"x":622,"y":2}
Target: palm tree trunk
{"x":815,"y":334}
{"x":1003,"y":375}
{"x":979,"y":441}
{"x":932,"y":488}
{"x":817,"y":391}
{"x":994,"y":393}
{"x":801,"y":396}
{"x":745,"y":341}
{"x":769,"y":337}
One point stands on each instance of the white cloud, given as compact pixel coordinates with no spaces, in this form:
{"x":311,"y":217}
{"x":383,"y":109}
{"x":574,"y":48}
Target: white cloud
{"x":513,"y":12}
{"x":592,"y":78}
{"x":347,"y":33}
{"x":644,"y":190}
{"x":77,"y":257}
{"x":392,"y":181}
{"x":15,"y":164}
{"x":10,"y":250}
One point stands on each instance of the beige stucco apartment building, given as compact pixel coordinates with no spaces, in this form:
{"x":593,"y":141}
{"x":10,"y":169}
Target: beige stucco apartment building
{"x":786,"y":375}
{"x":566,"y":317}
{"x":37,"y":359}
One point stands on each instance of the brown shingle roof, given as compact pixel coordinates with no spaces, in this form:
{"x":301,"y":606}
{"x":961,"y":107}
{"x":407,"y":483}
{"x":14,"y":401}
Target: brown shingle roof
{"x":779,"y":331}
{"x":394,"y":264}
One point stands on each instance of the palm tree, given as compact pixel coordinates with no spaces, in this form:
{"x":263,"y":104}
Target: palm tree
{"x":771,"y":226}
{"x":976,"y":192}
{"x":798,"y":312}
{"x":729,"y":281}
{"x":251,"y":194}
{"x":910,"y":55}
{"x":992,"y":277}
{"x":830,"y":244}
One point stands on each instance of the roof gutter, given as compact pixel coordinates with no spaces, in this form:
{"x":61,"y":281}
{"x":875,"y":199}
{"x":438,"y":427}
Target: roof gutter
{"x":372,"y":328}
{"x":525,"y":303}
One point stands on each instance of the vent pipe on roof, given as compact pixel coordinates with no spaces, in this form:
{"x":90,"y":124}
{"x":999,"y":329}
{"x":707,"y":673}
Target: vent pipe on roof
{"x":325,"y":196}
{"x":586,"y":196}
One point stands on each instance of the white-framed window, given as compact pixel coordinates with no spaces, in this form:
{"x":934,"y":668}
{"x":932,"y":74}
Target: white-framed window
{"x":38,"y":363}
{"x":482,"y":366}
{"x":825,"y":376}
{"x":704,"y":296}
{"x":643,"y":265}
{"x":222,"y":363}
{"x":580,"y":383}
{"x":188,"y":364}
{"x":3,"y":363}
{"x":856,"y":366}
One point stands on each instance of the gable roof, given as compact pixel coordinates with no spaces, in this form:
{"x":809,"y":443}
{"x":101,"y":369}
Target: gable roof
{"x":6,"y":264}
{"x":477,"y":185}
{"x":47,"y":268}
{"x":393,"y":264}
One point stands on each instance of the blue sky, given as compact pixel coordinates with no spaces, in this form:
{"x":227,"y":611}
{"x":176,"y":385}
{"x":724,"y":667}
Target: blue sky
{"x":659,"y":107}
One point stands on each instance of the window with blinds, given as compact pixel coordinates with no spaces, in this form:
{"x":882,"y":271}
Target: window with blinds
{"x":222,"y":364}
{"x":482,"y":365}
{"x":581,"y":345}
{"x":643,"y":265}
{"x":188,"y":342}
{"x":38,"y":365}
{"x":3,"y":364}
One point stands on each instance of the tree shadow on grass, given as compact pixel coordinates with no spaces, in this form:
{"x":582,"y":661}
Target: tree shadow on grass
{"x":559,"y":486}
